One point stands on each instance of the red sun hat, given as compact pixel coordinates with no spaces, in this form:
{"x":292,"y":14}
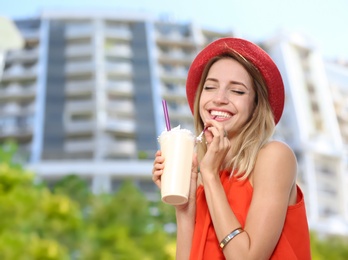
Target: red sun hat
{"x":251,"y":52}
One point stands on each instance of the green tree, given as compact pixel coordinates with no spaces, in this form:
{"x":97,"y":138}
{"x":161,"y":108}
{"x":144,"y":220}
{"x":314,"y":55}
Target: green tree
{"x":67,"y":221}
{"x":122,"y":227}
{"x":27,"y":220}
{"x":331,"y":247}
{"x":75,"y":188}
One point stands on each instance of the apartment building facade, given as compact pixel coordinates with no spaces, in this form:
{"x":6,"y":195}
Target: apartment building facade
{"x":84,"y":97}
{"x":312,"y":126}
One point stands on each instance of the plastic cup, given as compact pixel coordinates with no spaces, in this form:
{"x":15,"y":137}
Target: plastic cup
{"x":177,"y":147}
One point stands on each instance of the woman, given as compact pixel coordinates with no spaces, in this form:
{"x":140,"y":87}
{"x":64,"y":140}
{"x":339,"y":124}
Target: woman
{"x":244,"y":202}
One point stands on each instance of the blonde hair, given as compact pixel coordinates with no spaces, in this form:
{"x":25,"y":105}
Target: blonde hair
{"x":254,"y":134}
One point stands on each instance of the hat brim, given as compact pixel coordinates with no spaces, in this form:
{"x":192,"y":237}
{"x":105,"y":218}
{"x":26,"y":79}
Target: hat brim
{"x":251,"y":52}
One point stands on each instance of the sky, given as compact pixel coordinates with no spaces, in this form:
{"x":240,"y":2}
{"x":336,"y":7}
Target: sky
{"x":323,"y":22}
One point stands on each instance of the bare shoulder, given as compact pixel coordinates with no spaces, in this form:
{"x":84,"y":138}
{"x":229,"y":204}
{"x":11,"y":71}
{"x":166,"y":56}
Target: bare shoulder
{"x":277,"y":149}
{"x":275,"y":161}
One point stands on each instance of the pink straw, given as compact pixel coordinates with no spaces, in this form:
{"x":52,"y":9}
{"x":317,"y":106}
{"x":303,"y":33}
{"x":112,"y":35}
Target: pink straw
{"x":166,"y":116}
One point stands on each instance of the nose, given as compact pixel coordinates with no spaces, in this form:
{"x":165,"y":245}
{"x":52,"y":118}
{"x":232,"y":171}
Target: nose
{"x":221,"y":97}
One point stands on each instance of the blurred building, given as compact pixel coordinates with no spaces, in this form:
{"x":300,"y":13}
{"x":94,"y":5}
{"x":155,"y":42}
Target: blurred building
{"x":84,"y":97}
{"x":315,"y":126}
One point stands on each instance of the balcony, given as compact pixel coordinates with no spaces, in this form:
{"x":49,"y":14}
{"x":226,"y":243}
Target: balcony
{"x":120,"y":126}
{"x":327,"y":199}
{"x":119,"y":51}
{"x":18,"y":72}
{"x":31,"y":34}
{"x":80,"y":68}
{"x":121,"y":88}
{"x":119,"y":69}
{"x":79,"y":146}
{"x":74,"y":107}
{"x":79,"y":127}
{"x":16,"y":131}
{"x":118,"y":33}
{"x":178,"y":93}
{"x":17,"y":92}
{"x":173,"y":75}
{"x":79,"y":32}
{"x":173,"y":39}
{"x":179,"y":112}
{"x":327,"y":180}
{"x":22,"y":55}
{"x":10,"y":109}
{"x":82,"y":50}
{"x":121,"y":148}
{"x":79,"y":88}
{"x":175,"y":57}
{"x":121,"y":107}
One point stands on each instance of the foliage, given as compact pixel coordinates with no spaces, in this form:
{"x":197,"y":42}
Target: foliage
{"x":69,"y":222}
{"x":329,"y":247}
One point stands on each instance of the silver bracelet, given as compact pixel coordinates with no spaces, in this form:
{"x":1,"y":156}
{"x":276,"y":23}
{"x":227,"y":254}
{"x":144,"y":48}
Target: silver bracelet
{"x":230,"y":236}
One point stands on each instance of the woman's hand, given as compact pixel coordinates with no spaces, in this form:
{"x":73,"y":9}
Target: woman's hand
{"x":158,"y":167}
{"x":190,"y":206}
{"x":218,"y":145}
{"x":157,"y":171}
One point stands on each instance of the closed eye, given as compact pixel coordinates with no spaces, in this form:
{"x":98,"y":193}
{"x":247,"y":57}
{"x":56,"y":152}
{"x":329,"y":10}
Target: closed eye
{"x":209,"y":87}
{"x":238,"y":92}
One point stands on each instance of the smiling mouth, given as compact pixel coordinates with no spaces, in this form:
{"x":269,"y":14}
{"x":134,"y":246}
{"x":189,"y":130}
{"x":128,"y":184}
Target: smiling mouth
{"x":220,"y":114}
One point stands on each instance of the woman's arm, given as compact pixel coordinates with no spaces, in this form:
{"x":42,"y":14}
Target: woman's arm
{"x":185,"y":214}
{"x":273,"y":181}
{"x":185,"y":227}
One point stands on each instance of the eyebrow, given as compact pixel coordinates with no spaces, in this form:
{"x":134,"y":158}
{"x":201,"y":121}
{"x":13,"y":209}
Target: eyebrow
{"x":231,"y":82}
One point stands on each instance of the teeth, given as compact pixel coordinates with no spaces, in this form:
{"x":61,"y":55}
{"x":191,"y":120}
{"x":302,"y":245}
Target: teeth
{"x":220,"y":114}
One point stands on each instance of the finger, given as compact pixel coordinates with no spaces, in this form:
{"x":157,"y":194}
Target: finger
{"x":157,"y":169}
{"x":158,"y":160}
{"x":210,"y":134}
{"x":158,"y":163}
{"x":194,"y":164}
{"x":156,"y":177}
{"x":213,"y":133}
{"x":219,"y":140}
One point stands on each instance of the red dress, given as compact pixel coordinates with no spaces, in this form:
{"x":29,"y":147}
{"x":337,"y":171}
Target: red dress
{"x":293,"y":243}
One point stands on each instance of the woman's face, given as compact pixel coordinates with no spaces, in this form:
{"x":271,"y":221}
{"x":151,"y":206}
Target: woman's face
{"x":228,"y":94}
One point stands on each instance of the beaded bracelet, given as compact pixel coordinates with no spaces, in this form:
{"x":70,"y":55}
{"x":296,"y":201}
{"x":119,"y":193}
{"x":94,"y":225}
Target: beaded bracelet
{"x":230,"y":236}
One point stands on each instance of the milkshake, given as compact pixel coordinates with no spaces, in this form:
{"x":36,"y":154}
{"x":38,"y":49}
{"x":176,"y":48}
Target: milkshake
{"x":177,"y":148}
